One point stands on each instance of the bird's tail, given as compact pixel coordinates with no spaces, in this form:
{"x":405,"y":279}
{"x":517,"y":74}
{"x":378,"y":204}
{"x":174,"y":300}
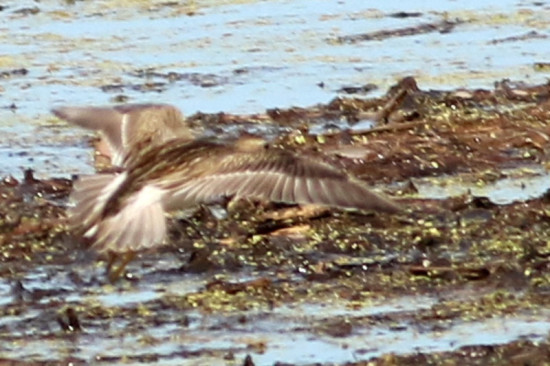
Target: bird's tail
{"x":135,"y":223}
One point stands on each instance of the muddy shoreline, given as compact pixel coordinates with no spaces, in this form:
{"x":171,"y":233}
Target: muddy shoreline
{"x":461,"y":279}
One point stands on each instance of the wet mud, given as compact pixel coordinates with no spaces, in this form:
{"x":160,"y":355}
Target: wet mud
{"x":461,"y":277}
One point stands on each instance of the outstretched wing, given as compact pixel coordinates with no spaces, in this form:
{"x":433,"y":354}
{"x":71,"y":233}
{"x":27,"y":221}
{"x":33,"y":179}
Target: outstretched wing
{"x":280,"y":176}
{"x":105,"y":119}
{"x":135,"y":224}
{"x":139,"y":225}
{"x":89,"y":197}
{"x":129,"y":126}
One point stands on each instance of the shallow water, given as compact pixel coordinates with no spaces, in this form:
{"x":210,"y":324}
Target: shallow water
{"x":515,"y":185}
{"x":300,"y":333}
{"x":239,"y":57}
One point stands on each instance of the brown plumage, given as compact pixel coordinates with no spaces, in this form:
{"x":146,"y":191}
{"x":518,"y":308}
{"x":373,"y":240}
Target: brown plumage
{"x":124,"y":212}
{"x":164,"y":169}
{"x":127,"y":127}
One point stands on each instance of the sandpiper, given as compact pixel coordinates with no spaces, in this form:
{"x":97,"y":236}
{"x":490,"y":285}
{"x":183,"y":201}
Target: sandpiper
{"x":127,"y":127}
{"x":123,"y":213}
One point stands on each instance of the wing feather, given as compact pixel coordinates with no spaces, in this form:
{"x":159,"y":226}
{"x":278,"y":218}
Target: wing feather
{"x":89,"y":197}
{"x":139,"y":225}
{"x":279,"y":176}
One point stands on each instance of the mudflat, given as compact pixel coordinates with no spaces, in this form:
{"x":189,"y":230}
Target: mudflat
{"x":462,"y":276}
